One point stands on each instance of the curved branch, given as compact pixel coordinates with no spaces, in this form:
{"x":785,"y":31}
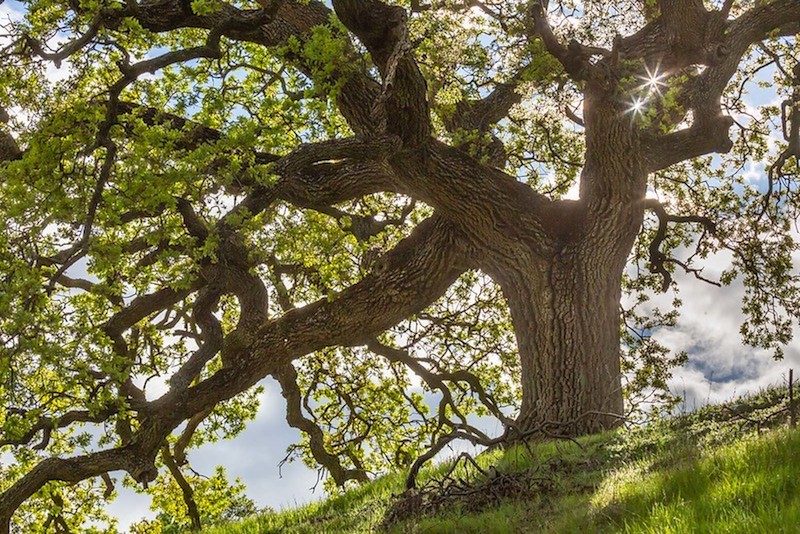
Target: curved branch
{"x":76,"y":44}
{"x":332,"y":183}
{"x":703,"y":137}
{"x":658,"y":259}
{"x":47,"y":424}
{"x":574,"y":57}
{"x":407,"y":279}
{"x":141,"y":307}
{"x":364,"y":148}
{"x":383,"y":31}
{"x":74,"y":470}
{"x":728,"y":41}
{"x":186,"y":489}
{"x":287,"y":378}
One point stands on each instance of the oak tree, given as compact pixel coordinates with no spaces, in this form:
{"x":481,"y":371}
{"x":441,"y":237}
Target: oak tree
{"x":407,"y":214}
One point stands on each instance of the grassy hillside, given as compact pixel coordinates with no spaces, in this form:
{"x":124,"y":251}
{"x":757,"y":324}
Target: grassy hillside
{"x":730,"y":468}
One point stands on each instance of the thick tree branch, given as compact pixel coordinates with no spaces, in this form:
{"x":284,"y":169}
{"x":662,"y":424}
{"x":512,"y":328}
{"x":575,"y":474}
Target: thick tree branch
{"x":406,"y":280}
{"x":481,"y":115}
{"x":370,"y":148}
{"x":705,"y":136}
{"x":332,"y":183}
{"x":73,"y":470}
{"x":574,"y":57}
{"x":730,"y":41}
{"x":383,"y":31}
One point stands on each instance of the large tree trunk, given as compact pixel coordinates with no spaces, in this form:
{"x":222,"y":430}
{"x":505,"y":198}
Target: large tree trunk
{"x":566,"y":317}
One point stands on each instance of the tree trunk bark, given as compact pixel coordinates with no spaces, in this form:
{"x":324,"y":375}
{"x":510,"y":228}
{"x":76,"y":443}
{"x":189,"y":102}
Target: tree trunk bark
{"x":566,"y":317}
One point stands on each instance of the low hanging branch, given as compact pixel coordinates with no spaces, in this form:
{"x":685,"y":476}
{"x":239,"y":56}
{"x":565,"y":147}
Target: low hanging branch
{"x":790,"y":128}
{"x":186,"y":488}
{"x":659,"y":260}
{"x":287,"y":378}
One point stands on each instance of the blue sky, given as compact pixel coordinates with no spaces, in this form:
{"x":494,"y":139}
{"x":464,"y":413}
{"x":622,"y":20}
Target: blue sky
{"x":253,"y":456}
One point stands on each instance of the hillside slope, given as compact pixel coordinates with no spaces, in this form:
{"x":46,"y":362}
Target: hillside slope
{"x":728,"y":468}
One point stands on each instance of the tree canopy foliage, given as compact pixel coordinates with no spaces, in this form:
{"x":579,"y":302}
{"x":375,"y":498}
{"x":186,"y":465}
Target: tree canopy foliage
{"x":364,"y":201}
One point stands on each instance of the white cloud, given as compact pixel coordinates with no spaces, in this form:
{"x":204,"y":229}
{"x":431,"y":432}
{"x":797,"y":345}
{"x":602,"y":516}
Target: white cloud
{"x":254,"y":456}
{"x":720,"y":366}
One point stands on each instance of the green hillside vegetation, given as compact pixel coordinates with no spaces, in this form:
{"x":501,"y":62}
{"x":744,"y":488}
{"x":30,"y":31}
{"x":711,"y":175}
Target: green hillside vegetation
{"x":728,"y":468}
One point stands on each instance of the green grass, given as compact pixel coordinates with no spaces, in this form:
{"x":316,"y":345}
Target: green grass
{"x":749,"y":486}
{"x":703,"y":472}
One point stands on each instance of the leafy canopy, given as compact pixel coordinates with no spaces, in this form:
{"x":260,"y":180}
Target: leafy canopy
{"x":145,"y":150}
